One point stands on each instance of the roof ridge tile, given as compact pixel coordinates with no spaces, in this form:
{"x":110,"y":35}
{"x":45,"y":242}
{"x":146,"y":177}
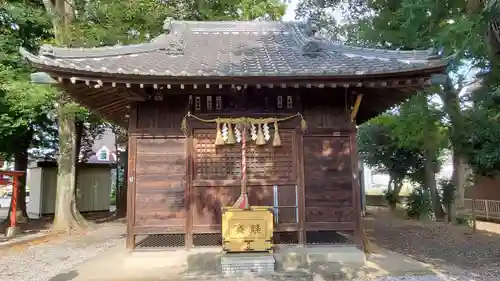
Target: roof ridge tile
{"x":189,"y":48}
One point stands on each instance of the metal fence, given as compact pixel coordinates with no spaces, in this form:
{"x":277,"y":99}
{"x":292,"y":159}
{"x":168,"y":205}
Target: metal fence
{"x":485,"y":209}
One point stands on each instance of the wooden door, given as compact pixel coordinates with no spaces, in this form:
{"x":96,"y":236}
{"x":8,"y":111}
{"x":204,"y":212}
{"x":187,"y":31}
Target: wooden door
{"x":328,"y":183}
{"x":160,"y":185}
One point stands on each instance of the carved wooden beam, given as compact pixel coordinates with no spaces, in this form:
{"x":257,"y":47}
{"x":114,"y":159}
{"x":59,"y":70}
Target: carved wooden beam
{"x":348,"y":82}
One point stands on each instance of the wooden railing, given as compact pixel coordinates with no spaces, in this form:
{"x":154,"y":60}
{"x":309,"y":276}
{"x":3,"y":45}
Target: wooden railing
{"x":485,"y":209}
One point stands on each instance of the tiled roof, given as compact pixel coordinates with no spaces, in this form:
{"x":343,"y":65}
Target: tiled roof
{"x":234,"y":49}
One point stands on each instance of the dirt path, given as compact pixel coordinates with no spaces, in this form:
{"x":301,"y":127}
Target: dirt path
{"x":437,"y":243}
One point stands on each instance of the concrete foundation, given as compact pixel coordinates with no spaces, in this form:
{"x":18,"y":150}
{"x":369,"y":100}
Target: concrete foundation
{"x":286,"y":258}
{"x":240,"y":264}
{"x":209,"y":264}
{"x":292,"y":258}
{"x":12,"y":231}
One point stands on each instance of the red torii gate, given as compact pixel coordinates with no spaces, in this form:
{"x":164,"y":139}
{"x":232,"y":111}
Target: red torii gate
{"x":14,"y":175}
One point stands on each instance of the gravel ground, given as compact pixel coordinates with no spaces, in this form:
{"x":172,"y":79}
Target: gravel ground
{"x":437,"y":243}
{"x":43,"y":261}
{"x":442,"y":277}
{"x":430,"y":278}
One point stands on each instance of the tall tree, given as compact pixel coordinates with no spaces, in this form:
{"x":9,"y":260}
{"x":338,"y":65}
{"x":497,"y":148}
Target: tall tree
{"x":381,"y":148}
{"x":407,"y":144}
{"x":455,"y":27}
{"x":24,"y":108}
{"x":421,"y":127}
{"x":106,"y":22}
{"x":67,"y":217}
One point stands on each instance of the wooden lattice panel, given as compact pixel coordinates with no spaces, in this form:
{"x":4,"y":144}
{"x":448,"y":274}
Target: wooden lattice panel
{"x":271,"y":163}
{"x":264,"y":163}
{"x":158,"y":241}
{"x":215,"y":162}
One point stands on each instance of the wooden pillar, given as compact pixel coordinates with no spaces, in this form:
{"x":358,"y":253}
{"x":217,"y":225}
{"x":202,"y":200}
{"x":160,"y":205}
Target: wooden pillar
{"x":358,"y":232}
{"x":299,"y":147}
{"x":131,"y":179}
{"x":189,"y":194}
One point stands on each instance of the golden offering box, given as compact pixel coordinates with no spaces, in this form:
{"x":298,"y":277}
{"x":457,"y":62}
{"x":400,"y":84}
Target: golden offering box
{"x":247,"y":230}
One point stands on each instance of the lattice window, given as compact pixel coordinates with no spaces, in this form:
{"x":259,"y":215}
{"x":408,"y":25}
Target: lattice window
{"x":209,"y":102}
{"x":215,"y":162}
{"x":224,"y":162}
{"x":279,"y":102}
{"x":289,"y":102}
{"x":268,"y":162}
{"x":197,"y":103}
{"x":218,"y":102}
{"x":158,"y":96}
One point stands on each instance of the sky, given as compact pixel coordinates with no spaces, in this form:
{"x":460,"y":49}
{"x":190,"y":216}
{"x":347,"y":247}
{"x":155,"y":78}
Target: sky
{"x":290,"y":16}
{"x":290,"y":12}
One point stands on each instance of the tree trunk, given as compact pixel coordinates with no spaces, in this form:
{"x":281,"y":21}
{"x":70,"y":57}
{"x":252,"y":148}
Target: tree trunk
{"x":451,"y":105}
{"x":430,"y":183}
{"x":390,"y":193}
{"x":121,"y":197}
{"x":67,"y":217}
{"x":458,"y":178}
{"x":474,"y":222}
{"x":398,"y":185}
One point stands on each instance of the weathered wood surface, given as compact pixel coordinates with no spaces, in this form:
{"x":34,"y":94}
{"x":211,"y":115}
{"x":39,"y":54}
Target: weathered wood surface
{"x":217,"y":177}
{"x":328,"y":179}
{"x":183,"y":181}
{"x":161,"y":182}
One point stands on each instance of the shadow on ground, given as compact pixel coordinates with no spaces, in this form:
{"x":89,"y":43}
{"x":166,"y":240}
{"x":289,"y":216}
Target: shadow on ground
{"x":205,"y":266}
{"x":435,"y":242}
{"x":44,"y":224}
{"x":68,"y":276}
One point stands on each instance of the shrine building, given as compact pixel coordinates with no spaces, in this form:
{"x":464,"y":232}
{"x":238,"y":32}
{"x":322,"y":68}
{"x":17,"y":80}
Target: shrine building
{"x":190,"y":96}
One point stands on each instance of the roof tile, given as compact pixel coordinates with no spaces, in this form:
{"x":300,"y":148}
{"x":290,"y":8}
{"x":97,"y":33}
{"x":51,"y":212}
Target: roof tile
{"x":235,"y":49}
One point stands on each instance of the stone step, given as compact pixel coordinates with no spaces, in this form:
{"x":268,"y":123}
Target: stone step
{"x":244,"y":263}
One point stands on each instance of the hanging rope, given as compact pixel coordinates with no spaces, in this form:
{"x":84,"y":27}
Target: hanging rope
{"x":247,"y":121}
{"x":242,"y":201}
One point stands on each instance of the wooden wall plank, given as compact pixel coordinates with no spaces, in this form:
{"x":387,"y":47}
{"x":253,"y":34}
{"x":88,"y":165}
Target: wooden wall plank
{"x":161,"y":176}
{"x":328,"y":185}
{"x":131,"y":191}
{"x":210,"y":175}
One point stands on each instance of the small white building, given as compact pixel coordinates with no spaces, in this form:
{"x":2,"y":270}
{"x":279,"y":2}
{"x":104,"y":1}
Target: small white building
{"x":375,"y":183}
{"x":93,"y":188}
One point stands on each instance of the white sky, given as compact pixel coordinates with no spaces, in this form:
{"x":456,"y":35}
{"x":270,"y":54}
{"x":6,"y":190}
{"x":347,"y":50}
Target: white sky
{"x":290,"y":12}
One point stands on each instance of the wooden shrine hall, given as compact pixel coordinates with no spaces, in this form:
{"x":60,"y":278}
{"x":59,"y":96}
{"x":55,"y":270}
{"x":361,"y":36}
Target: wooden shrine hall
{"x":191,"y":95}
